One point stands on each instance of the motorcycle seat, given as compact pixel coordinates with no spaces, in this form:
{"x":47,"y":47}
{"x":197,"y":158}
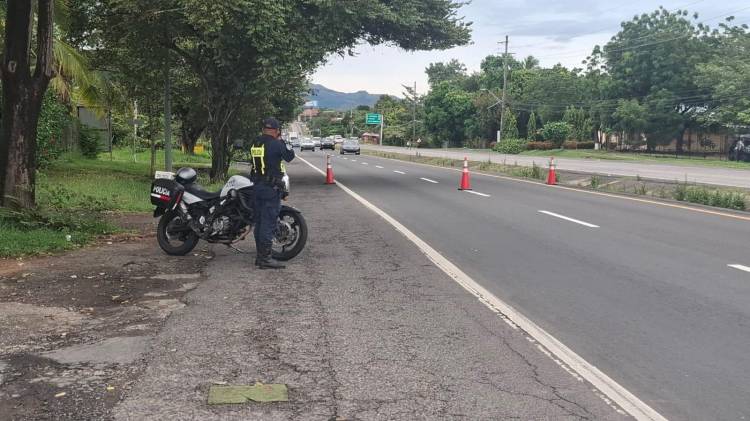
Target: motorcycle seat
{"x":196,"y":190}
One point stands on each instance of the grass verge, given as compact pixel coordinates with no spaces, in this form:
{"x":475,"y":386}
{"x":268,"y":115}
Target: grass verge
{"x":76,"y":195}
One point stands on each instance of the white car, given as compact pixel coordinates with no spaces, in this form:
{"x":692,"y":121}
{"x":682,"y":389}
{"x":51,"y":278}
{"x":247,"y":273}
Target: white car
{"x":307,"y":144}
{"x":316,"y":141}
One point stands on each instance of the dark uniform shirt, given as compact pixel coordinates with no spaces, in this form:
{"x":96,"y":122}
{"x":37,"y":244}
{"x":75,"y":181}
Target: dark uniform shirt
{"x":267,"y":153}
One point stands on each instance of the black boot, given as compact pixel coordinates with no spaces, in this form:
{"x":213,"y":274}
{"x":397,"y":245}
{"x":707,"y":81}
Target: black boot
{"x":265,"y":261}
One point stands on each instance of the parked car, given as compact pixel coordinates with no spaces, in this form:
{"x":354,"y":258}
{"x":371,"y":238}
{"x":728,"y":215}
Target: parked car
{"x":740,"y":149}
{"x":350,"y":146}
{"x":316,"y":141}
{"x":307,"y":144}
{"x":327,"y":143}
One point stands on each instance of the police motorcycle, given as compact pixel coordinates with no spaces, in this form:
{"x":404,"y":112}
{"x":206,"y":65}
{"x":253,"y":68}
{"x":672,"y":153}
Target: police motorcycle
{"x":188,"y":213}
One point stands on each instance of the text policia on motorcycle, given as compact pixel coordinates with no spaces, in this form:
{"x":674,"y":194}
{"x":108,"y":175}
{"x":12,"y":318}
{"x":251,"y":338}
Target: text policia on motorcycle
{"x":266,"y":153}
{"x":188,"y":213}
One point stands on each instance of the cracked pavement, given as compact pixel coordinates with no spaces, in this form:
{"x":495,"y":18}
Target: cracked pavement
{"x":360,"y":326}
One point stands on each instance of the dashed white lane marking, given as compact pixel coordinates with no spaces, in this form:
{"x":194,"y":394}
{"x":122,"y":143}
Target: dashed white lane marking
{"x":354,"y":160}
{"x":477,"y":193}
{"x":557,"y":215}
{"x":428,"y":180}
{"x":365,"y":163}
{"x":610,"y":388}
{"x":740,"y":267}
{"x":378,"y":166}
{"x":399,"y":172}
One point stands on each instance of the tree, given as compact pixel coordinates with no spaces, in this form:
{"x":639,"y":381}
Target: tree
{"x":531,"y":128}
{"x":24,"y":85}
{"x":727,"y":75}
{"x":660,"y":52}
{"x":243,"y":51}
{"x":631,"y":118}
{"x":581,"y":126}
{"x":440,"y":72}
{"x":510,"y":127}
{"x":448,"y":114}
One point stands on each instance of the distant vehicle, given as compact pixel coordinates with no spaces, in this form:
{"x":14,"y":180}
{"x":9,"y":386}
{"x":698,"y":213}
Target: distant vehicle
{"x":740,"y":149}
{"x":338,"y":140}
{"x":295,"y":143}
{"x":307,"y":144}
{"x":328,"y":143}
{"x":350,"y":146}
{"x":316,"y":141}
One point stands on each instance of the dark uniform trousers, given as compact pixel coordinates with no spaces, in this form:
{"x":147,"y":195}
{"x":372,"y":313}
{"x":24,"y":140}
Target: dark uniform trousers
{"x":267,"y":208}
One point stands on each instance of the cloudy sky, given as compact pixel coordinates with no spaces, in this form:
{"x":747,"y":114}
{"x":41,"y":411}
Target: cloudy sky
{"x":554,"y":31}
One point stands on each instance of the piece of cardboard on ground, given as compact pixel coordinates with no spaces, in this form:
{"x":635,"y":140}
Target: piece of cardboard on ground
{"x":222,"y":395}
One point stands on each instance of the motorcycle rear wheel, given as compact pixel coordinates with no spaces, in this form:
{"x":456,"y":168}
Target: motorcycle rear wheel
{"x":175,"y":237}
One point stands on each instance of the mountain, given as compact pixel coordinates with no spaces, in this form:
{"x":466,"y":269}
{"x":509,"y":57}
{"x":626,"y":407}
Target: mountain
{"x":328,"y":98}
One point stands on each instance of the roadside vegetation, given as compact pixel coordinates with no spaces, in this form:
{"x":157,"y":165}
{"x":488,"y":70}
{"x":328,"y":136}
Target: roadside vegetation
{"x":77,"y":197}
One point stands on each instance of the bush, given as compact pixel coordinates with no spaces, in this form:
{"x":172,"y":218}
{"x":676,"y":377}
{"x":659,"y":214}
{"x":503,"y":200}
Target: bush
{"x":53,"y":119}
{"x":540,"y":146}
{"x":704,"y":196}
{"x":556,"y":132}
{"x":511,"y":146}
{"x":88,"y":140}
{"x":572,"y":144}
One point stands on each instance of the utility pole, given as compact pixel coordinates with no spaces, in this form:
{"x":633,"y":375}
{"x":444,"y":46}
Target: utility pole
{"x":505,"y":84}
{"x":167,"y":121}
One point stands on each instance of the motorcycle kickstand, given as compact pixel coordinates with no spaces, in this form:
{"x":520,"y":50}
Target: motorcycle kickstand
{"x":238,"y":250}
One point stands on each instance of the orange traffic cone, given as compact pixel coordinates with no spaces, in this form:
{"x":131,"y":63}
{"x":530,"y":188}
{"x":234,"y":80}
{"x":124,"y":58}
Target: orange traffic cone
{"x":329,"y":171}
{"x":465,"y":182}
{"x":551,"y":176}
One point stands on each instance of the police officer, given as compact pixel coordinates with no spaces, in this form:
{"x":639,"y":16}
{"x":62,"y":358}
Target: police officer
{"x":267,"y":152}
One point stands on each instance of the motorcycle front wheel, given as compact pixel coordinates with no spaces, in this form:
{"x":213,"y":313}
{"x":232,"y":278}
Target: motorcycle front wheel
{"x":291,"y":235}
{"x":174,"y":235}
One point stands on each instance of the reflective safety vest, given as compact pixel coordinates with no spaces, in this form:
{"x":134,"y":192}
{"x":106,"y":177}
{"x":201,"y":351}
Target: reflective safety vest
{"x":258,"y":156}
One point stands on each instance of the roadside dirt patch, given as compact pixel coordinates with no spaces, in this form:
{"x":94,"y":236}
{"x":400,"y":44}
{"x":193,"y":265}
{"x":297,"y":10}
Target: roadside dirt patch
{"x":76,"y":327}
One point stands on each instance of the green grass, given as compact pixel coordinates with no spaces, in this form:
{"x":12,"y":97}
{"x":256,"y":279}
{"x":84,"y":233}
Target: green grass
{"x":74,"y":194}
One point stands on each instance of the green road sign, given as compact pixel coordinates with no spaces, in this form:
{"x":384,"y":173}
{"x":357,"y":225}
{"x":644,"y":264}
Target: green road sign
{"x":374,"y":118}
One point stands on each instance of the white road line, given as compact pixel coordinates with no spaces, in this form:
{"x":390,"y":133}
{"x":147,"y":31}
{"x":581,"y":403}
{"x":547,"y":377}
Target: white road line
{"x":365,"y":163}
{"x":399,"y":172}
{"x":477,"y":193}
{"x":378,"y":166}
{"x":740,"y":267}
{"x":556,"y":215}
{"x":610,"y":388}
{"x":354,"y":160}
{"x":428,"y":180}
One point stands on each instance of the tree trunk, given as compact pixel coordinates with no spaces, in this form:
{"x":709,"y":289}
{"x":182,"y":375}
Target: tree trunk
{"x":23,"y":95}
{"x":189,"y":135}
{"x":680,"y":140}
{"x":218,"y":126}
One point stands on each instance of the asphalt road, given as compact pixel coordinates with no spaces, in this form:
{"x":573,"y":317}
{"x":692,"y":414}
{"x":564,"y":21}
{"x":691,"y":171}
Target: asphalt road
{"x":656,"y":171}
{"x":642,"y":291}
{"x":360,"y":326}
